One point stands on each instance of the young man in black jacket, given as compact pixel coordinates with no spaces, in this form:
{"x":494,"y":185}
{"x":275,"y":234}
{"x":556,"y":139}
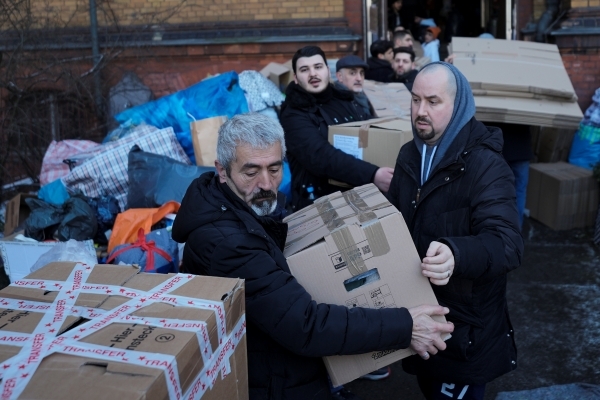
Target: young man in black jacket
{"x":311,"y":105}
{"x":456,"y":193}
{"x":404,"y":67}
{"x":380,"y":62}
{"x":232,"y":225}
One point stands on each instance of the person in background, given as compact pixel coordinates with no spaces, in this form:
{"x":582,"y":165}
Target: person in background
{"x":403,"y":39}
{"x":311,"y":105}
{"x":380,"y":62}
{"x":457,"y":195}
{"x":404,"y":66}
{"x":394,"y":19}
{"x":431,"y":47}
{"x":350,"y":74}
{"x":517,"y":152}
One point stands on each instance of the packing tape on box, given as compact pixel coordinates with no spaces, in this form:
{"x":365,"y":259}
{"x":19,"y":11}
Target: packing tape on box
{"x":342,"y":236}
{"x":371,"y":224}
{"x":363,"y":132}
{"x":18,"y":370}
{"x":328,"y":214}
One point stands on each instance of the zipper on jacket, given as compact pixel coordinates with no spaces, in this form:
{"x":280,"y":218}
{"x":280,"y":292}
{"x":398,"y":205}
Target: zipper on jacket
{"x":418,"y":195}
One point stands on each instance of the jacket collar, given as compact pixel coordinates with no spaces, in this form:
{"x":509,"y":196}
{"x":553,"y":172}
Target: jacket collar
{"x":297,"y":97}
{"x":473,"y":134}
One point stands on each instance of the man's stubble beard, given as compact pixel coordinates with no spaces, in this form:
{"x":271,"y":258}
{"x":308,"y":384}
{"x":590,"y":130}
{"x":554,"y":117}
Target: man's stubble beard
{"x":266,"y":206}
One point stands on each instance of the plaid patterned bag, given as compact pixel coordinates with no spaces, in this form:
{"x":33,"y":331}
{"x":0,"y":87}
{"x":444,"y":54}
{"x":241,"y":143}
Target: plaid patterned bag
{"x":53,"y":166}
{"x":104,"y":173}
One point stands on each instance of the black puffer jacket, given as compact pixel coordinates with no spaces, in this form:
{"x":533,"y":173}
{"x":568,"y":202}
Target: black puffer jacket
{"x":408,"y":79}
{"x":313,"y":161}
{"x":379,"y":70}
{"x":469,"y":204}
{"x":287,"y":331}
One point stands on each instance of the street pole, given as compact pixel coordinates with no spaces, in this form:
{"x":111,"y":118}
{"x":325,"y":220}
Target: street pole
{"x":96,"y":58}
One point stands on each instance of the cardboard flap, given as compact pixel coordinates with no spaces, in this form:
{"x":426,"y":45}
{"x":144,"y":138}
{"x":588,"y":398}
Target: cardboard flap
{"x":360,"y":206}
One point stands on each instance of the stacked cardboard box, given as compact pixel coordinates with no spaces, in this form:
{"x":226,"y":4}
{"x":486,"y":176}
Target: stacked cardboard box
{"x":551,"y":145}
{"x":377,"y":141}
{"x":354,"y":249}
{"x":17,"y":212}
{"x":388,"y":99}
{"x":517,"y":82}
{"x":562,"y":195}
{"x":72,"y":331}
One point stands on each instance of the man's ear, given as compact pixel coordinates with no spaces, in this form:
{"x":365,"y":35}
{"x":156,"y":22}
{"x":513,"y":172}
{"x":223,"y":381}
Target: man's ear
{"x":338,"y":75}
{"x":221,"y":171}
{"x":295,"y":79}
{"x":381,"y":56}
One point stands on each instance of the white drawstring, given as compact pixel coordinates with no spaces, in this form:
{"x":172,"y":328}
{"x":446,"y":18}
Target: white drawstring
{"x":423,"y":163}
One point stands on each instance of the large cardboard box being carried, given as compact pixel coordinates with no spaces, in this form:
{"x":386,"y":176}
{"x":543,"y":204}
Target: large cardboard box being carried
{"x":354,"y":249}
{"x":72,"y":331}
{"x":377,"y":141}
{"x":562,"y":195}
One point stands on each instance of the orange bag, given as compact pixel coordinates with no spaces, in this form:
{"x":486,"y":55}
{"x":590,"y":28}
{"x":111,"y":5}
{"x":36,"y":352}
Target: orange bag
{"x":128,"y":223}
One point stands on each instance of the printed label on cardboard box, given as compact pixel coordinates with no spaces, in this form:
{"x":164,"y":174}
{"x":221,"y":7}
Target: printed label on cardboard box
{"x":361,"y":251}
{"x":348,"y":144}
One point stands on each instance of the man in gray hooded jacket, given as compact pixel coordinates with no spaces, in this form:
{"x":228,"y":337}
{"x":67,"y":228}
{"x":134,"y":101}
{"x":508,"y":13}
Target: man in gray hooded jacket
{"x":456,"y":193}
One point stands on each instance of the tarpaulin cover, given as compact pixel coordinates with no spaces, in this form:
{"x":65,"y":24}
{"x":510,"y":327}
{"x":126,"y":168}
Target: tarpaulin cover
{"x":219,"y":95}
{"x":585,"y":149}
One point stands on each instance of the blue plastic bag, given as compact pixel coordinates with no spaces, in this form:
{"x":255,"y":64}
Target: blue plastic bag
{"x":585,"y":149}
{"x":220,"y":95}
{"x":54,"y":193}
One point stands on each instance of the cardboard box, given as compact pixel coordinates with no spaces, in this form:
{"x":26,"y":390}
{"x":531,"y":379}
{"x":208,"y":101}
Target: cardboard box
{"x":205,"y":133}
{"x":377,"y":141}
{"x":517,"y":82}
{"x":513,"y":66}
{"x":561,"y":195}
{"x":388,"y":99}
{"x":72,"y":331}
{"x":17,"y":212}
{"x":280,"y":74}
{"x":551,"y":145}
{"x":19,"y":256}
{"x":354,"y":249}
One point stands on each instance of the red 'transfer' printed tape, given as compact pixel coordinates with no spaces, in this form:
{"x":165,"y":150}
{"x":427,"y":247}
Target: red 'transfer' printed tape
{"x":17,"y":371}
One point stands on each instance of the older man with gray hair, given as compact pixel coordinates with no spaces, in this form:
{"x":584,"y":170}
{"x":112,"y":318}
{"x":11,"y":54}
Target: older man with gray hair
{"x":231,"y":224}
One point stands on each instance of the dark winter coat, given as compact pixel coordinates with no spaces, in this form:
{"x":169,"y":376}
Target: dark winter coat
{"x":313,"y":161}
{"x":379,"y":70}
{"x":468,"y":203}
{"x":408,"y":79}
{"x":287,"y":332}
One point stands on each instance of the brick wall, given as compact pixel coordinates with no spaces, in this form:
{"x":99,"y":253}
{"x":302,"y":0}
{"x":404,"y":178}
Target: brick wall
{"x":585,"y":3}
{"x":583,"y":69}
{"x":75,"y":13}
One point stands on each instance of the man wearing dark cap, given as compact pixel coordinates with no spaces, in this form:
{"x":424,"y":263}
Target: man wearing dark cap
{"x":312,"y":104}
{"x":350,"y":74}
